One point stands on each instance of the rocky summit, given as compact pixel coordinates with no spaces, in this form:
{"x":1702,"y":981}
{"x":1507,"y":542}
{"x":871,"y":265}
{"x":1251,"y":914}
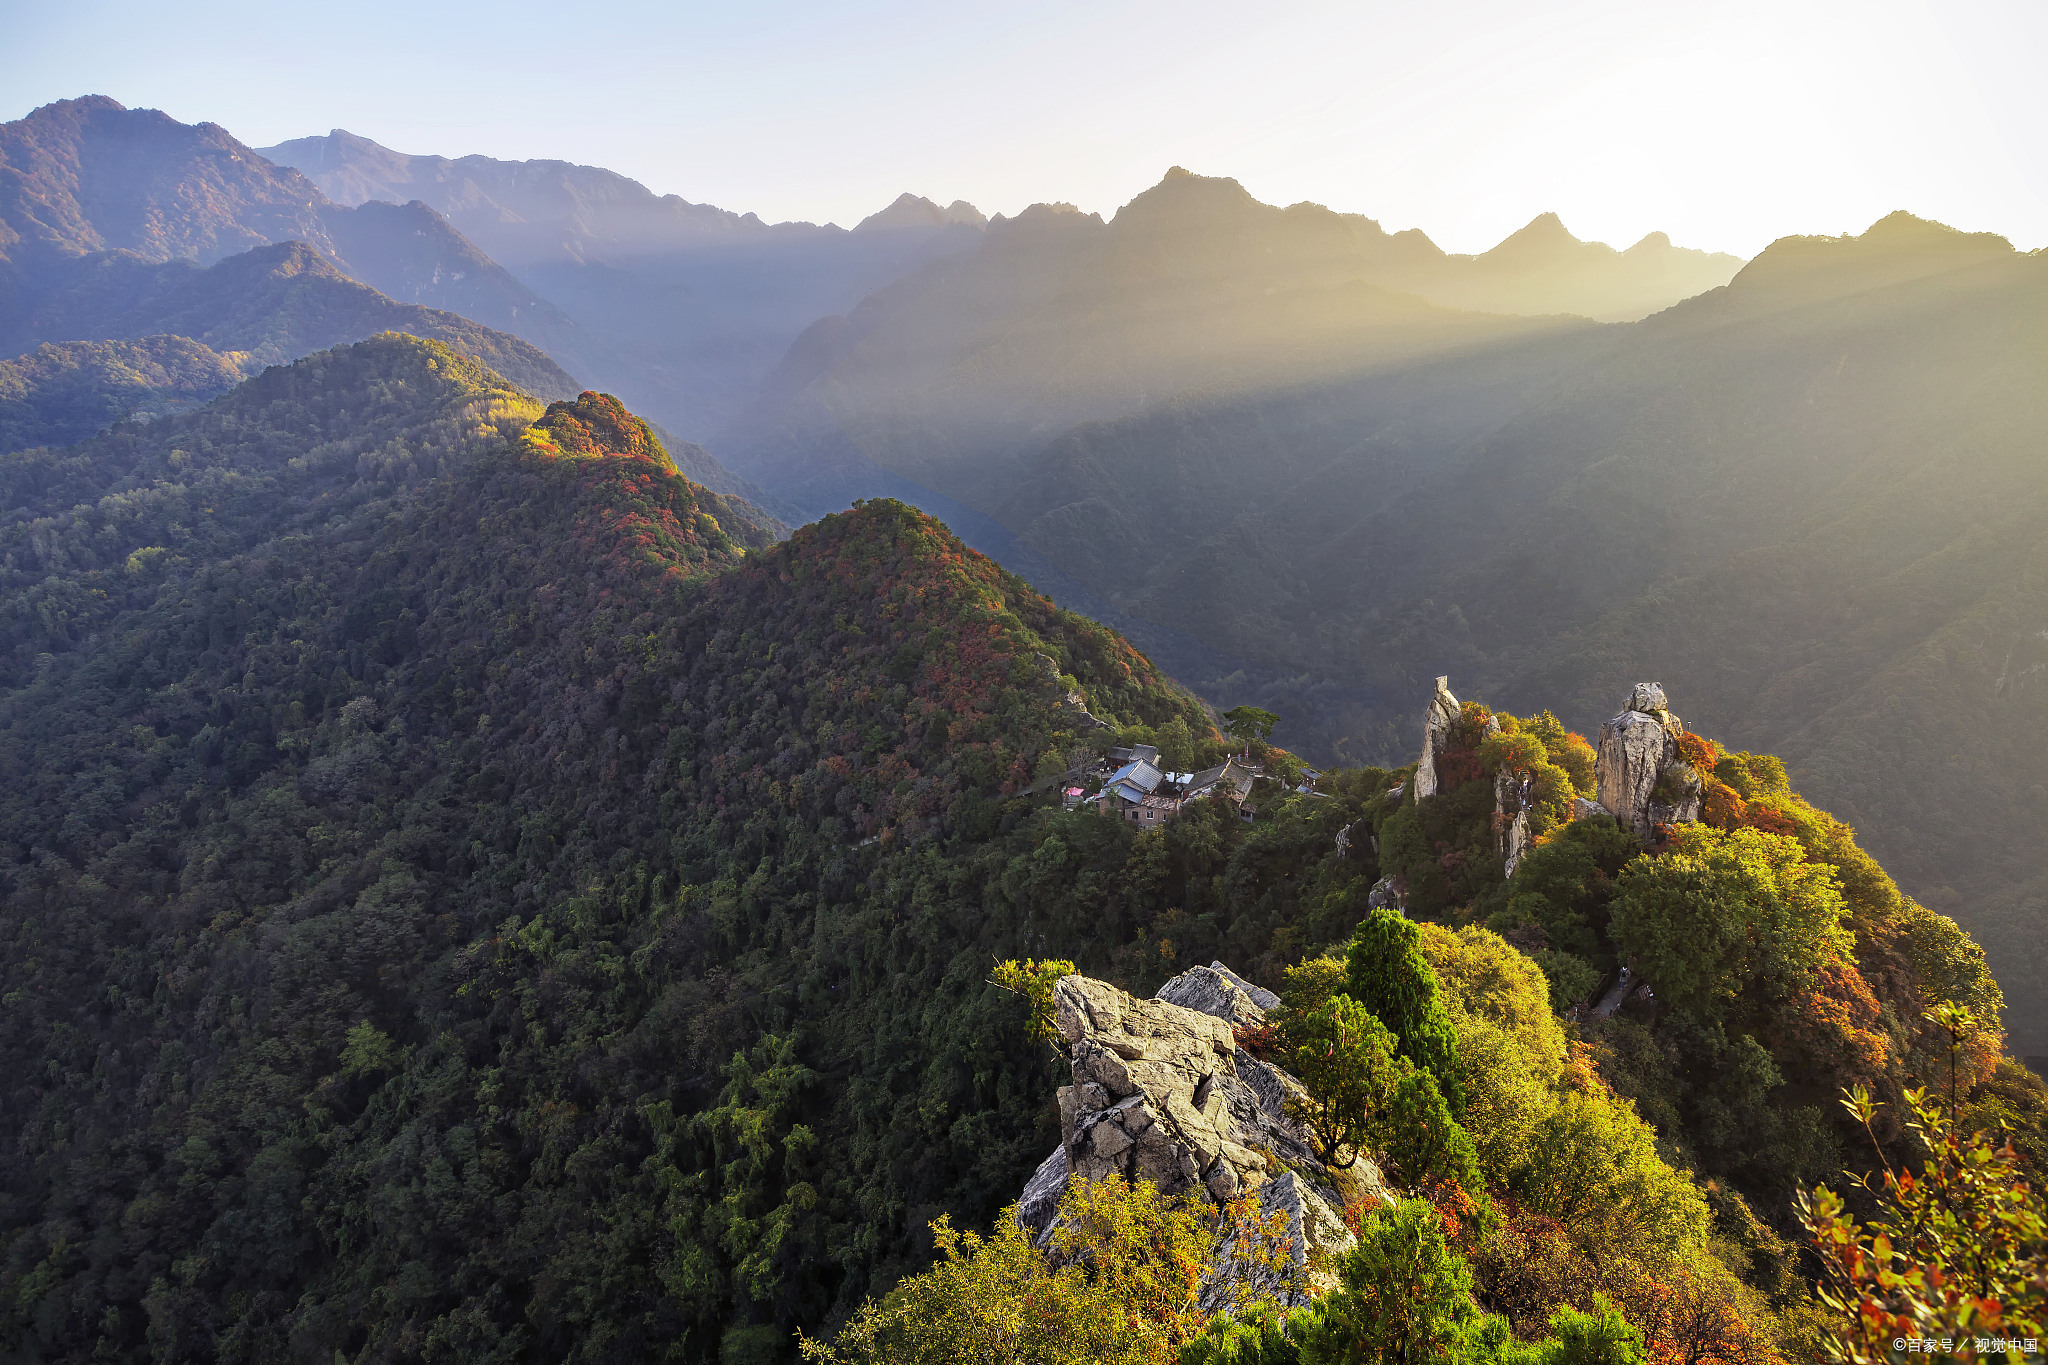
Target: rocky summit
{"x":1162,"y":1092}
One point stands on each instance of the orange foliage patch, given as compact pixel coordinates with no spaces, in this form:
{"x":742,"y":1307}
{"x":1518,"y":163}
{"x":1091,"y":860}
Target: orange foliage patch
{"x":1261,"y":1040}
{"x":1722,"y":806}
{"x":1459,"y":761}
{"x":1770,"y":821}
{"x":1582,"y":1070}
{"x":1455,"y":1209}
{"x":1836,"y":1022}
{"x":1699,"y":751}
{"x":1688,"y":1319}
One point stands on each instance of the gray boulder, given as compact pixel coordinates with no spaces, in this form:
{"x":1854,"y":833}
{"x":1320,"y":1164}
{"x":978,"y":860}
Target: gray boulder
{"x":1041,"y":1197}
{"x":1635,"y":747}
{"x":1218,"y":991}
{"x":1162,"y":1093}
{"x":1311,"y":1231}
{"x":1510,"y":818}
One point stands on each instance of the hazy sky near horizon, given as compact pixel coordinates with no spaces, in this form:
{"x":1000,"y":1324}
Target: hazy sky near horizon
{"x":1726,"y":123}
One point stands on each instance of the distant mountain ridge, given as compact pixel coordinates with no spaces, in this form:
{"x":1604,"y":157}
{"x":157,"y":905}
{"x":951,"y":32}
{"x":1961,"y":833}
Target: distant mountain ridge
{"x":89,"y":175}
{"x":270,"y":305}
{"x":559,"y":204}
{"x":915,"y":211}
{"x":701,"y":302}
{"x":61,"y":393}
{"x":950,"y":376}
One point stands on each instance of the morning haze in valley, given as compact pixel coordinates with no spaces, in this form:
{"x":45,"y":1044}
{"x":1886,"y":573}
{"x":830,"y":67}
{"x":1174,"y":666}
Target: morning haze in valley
{"x":909,"y":683}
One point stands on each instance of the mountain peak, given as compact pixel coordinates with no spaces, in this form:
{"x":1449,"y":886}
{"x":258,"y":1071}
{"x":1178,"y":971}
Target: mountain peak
{"x":915,"y":211}
{"x":82,"y":104}
{"x":1900,"y":228}
{"x":1896,"y":248}
{"x":596,"y":424}
{"x":1544,"y":231}
{"x":1182,"y":195}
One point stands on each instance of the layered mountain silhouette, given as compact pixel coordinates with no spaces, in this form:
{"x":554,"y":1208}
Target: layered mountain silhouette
{"x":949,"y":376}
{"x":268,"y":305}
{"x":701,"y":302}
{"x":88,"y":175}
{"x":1322,"y":461}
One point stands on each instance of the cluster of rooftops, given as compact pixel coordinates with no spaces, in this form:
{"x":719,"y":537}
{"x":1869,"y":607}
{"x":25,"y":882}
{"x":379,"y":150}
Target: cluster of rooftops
{"x":1140,"y":791}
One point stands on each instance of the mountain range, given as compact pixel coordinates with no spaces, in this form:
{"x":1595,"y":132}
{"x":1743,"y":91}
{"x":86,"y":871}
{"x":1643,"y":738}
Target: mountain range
{"x":268,"y":305}
{"x":88,"y":175}
{"x":1311,"y":462}
{"x":952,"y":376}
{"x":698,"y":302}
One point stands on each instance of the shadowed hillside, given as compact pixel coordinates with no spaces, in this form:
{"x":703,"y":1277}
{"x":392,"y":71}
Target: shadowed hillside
{"x":1815,"y":493}
{"x":57,"y":394}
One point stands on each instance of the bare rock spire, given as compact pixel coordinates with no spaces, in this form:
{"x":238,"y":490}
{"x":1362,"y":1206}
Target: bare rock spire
{"x":1436,"y":729}
{"x":1644,"y":782}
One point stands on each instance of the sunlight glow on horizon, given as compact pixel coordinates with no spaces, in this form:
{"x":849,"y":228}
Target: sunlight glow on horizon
{"x":1725,"y":123}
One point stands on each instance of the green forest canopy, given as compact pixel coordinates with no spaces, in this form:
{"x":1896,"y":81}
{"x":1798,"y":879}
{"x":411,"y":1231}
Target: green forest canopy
{"x":471,"y":891}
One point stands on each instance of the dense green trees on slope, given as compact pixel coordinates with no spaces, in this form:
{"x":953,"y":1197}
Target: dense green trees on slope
{"x":57,"y":394}
{"x":431,"y":898}
{"x":1547,"y":1218}
{"x":471,"y":892}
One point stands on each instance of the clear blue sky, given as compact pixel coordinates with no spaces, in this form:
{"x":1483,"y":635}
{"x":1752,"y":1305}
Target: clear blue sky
{"x":1725,"y":124}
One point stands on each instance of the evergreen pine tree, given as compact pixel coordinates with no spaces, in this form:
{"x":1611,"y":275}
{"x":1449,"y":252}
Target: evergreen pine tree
{"x":1390,"y":977}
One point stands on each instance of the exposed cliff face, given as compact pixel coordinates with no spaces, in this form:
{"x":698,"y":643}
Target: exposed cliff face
{"x":1162,"y":1093}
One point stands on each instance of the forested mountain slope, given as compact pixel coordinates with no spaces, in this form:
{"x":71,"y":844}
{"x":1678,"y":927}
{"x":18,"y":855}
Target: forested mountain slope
{"x":269,"y":305}
{"x":57,"y":394}
{"x":87,"y":175}
{"x":702,"y":302}
{"x":492,"y":800}
{"x":471,"y":891}
{"x":1815,"y":494}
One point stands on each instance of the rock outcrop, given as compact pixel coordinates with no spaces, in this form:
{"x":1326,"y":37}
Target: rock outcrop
{"x":1217,"y":991}
{"x":1163,"y":1093}
{"x":1510,"y":818}
{"x":1072,"y":706}
{"x":1643,"y":781}
{"x":1436,"y":729}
